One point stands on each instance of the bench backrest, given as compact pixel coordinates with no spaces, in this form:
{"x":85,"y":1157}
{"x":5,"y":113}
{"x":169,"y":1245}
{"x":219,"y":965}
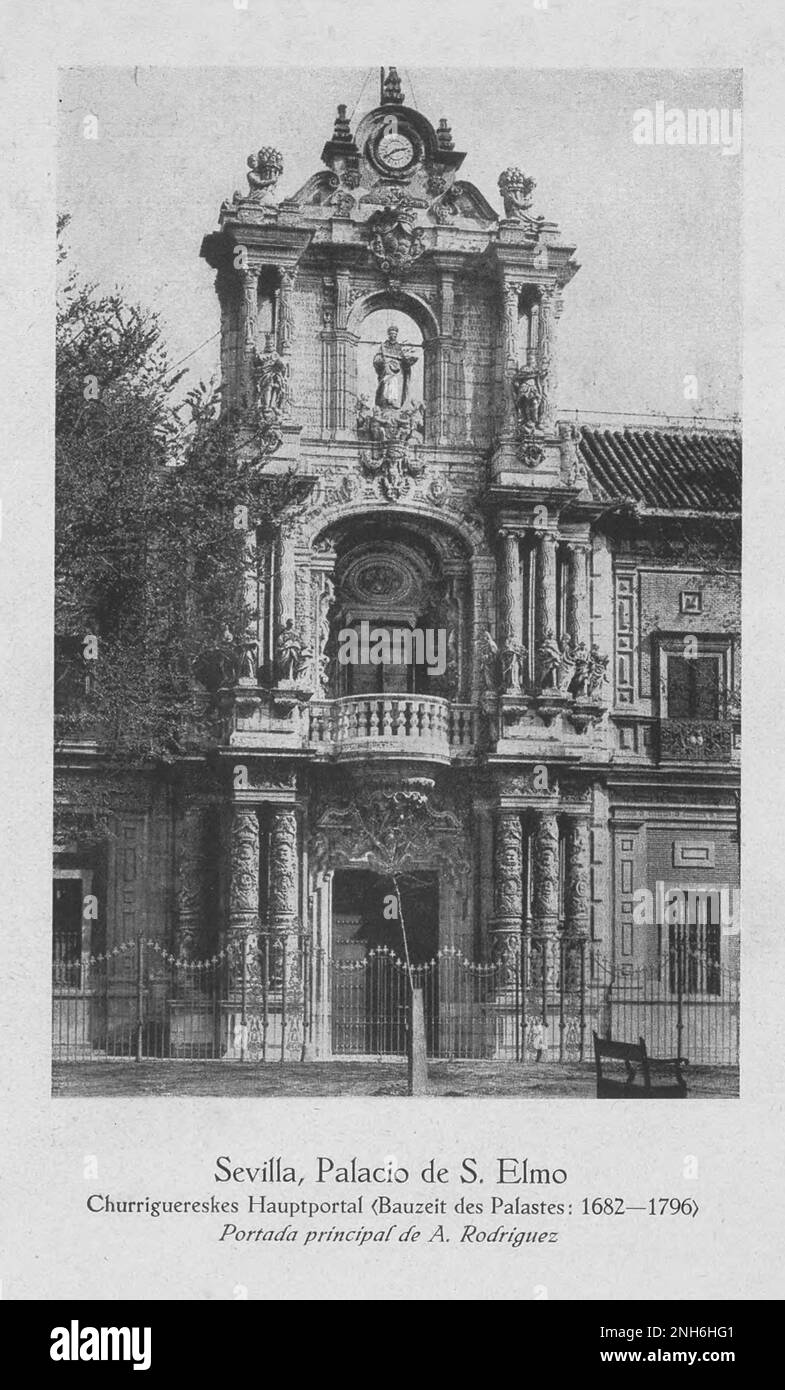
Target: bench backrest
{"x":635,"y":1060}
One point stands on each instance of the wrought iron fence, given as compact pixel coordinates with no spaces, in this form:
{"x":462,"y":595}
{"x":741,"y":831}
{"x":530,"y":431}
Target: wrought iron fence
{"x":274,"y":1001}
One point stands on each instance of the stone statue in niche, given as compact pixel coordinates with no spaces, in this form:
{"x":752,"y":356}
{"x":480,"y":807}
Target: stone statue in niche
{"x":393,"y":362}
{"x":270,"y":377}
{"x":292,"y":654}
{"x":248,"y":664}
{"x":551,"y":658}
{"x":488,"y":656}
{"x":529,"y":395}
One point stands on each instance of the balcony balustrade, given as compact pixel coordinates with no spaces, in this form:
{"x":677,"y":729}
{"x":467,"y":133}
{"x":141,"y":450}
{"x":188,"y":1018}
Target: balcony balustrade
{"x":415,"y":726}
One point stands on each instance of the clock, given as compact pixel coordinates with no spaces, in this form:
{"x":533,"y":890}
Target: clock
{"x":395,"y":151}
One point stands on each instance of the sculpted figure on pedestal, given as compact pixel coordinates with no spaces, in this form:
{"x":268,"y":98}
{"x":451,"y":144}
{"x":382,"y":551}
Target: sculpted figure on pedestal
{"x":292,"y":654}
{"x":551,"y":656}
{"x":270,"y":377}
{"x":516,"y":190}
{"x":529,"y":386}
{"x":264,"y":171}
{"x":393,"y":365}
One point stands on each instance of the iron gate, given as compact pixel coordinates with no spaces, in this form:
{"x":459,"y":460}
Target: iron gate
{"x":541,"y":1003}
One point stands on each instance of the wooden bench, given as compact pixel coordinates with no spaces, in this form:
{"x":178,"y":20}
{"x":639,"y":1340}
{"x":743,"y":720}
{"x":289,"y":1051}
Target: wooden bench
{"x":637,"y":1084}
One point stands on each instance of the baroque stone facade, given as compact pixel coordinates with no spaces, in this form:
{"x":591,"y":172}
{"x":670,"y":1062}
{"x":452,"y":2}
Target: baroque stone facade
{"x":390,"y":349}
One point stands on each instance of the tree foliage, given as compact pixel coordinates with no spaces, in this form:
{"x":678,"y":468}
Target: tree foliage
{"x":149,"y":558}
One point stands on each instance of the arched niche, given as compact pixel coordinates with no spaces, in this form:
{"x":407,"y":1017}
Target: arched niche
{"x":412,"y":309}
{"x":403,"y":301}
{"x":394,"y":572}
{"x":374,"y":331}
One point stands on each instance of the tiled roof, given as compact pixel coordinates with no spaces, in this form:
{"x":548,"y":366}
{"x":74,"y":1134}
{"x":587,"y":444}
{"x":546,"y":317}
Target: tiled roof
{"x":683,"y":470}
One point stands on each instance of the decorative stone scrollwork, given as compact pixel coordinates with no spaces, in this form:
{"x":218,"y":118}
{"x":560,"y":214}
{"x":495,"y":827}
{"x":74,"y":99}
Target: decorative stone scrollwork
{"x":392,"y":456}
{"x":393,"y":243}
{"x":573,"y":467}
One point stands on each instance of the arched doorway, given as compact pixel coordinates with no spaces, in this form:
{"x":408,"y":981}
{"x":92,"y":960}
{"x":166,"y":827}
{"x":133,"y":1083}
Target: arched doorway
{"x":370,"y":983}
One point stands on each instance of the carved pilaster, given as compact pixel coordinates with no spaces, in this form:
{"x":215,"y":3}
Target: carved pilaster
{"x":507,"y":920}
{"x":578,"y":592}
{"x":284,"y":963}
{"x":285,"y":326}
{"x":545,"y":874}
{"x":322,"y":596}
{"x":577,"y":878}
{"x":249,"y":280}
{"x":545,"y":901}
{"x":243,"y":893}
{"x":512,"y":295}
{"x":188,"y":885}
{"x":550,"y":308}
{"x":511,"y":612}
{"x":577,"y":893}
{"x":285,"y":597}
{"x":545,"y":611}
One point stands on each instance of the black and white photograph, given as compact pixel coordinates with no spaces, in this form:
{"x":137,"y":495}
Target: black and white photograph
{"x":397,"y":685}
{"x":375,"y":569}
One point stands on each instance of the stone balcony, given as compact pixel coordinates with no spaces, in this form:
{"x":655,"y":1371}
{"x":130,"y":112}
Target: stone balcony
{"x":408,"y":726}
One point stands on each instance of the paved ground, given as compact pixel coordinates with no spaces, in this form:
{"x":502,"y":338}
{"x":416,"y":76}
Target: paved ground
{"x":119,"y":1078}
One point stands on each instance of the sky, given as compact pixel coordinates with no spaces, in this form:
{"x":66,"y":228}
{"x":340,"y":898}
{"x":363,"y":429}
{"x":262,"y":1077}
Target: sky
{"x":657,"y":228}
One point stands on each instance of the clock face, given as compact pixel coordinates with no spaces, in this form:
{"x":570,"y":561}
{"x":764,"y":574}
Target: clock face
{"x":395,"y":151}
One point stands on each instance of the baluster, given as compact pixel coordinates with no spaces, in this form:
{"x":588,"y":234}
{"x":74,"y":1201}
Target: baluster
{"x":386,"y":718}
{"x":407,"y":718}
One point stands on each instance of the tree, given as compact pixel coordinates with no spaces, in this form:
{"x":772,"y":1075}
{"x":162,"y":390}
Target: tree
{"x":149,"y":558}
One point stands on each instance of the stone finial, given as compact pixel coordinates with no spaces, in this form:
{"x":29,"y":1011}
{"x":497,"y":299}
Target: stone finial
{"x":516,"y":190}
{"x":264,"y":171}
{"x":444,"y":135}
{"x":342,"y":135}
{"x":392,"y":92}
